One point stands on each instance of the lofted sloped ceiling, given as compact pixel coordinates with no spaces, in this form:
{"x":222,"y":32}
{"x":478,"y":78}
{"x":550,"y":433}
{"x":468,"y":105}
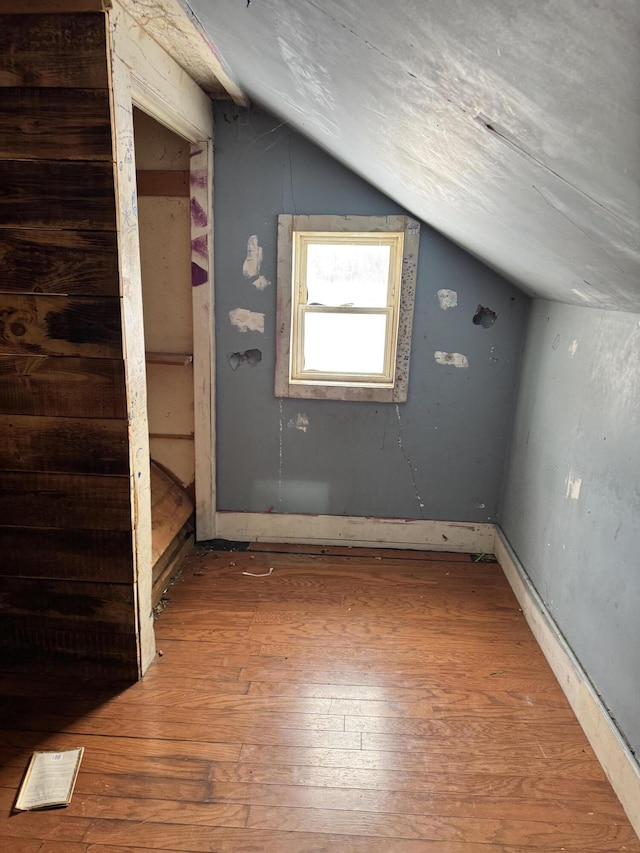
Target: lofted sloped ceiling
{"x":512,"y":126}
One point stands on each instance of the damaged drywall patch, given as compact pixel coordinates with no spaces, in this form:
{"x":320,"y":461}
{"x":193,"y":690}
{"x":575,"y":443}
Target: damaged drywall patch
{"x":484,"y":317}
{"x":300,"y":422}
{"x":253,"y":261}
{"x":447,"y":299}
{"x":573,"y":486}
{"x":247,"y":321}
{"x":573,"y":347}
{"x":261,"y":282}
{"x":453,"y":359}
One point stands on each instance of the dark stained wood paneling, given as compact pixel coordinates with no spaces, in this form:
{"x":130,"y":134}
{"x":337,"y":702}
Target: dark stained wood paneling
{"x":66,"y":501}
{"x":40,"y":7}
{"x":63,"y":604}
{"x":89,"y":555}
{"x":67,"y":586}
{"x":89,"y":654}
{"x":60,"y":325}
{"x":157,"y":182}
{"x":63,"y":50}
{"x":72,"y":445}
{"x":81,"y":263}
{"x":36,"y":193}
{"x":38,"y":123}
{"x":59,"y":386}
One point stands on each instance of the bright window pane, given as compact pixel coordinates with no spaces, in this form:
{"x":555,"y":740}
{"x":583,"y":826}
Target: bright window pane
{"x":344,"y":343}
{"x":341,"y":274}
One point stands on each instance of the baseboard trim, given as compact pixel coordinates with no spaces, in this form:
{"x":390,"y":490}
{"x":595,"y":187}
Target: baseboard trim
{"x":612,"y":751}
{"x":356,"y":531}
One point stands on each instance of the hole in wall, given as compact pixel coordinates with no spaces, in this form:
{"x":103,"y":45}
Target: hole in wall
{"x":484,"y":317}
{"x":250,"y":356}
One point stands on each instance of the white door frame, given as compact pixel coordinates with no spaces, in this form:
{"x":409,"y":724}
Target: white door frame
{"x":142,"y":73}
{"x":163,"y":90}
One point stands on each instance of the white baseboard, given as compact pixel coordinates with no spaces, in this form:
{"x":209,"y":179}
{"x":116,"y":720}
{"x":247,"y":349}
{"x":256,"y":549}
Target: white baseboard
{"x":356,"y":531}
{"x":612,"y":752}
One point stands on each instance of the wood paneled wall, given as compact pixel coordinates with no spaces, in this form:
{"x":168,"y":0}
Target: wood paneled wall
{"x":67,"y":573}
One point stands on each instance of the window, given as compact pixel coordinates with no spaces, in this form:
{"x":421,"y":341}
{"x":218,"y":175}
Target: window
{"x":346,"y":288}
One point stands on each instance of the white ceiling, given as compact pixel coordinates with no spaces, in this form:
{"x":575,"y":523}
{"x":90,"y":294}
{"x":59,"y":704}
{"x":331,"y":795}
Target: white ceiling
{"x":512,"y":126}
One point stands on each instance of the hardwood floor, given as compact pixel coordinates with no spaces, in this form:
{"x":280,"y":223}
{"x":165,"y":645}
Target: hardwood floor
{"x":354,"y":700}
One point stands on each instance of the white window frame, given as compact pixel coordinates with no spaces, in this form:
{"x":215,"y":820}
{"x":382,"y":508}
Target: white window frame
{"x":290,"y":380}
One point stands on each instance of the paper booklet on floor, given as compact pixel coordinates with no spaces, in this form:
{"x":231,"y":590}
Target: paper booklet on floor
{"x":49,"y":780}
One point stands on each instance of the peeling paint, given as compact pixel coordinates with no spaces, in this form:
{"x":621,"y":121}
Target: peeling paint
{"x":573,"y":347}
{"x":573,"y":486}
{"x":247,"y":321}
{"x":453,"y":359}
{"x":447,"y":299}
{"x":261,"y":282}
{"x":300,"y":422}
{"x":253,"y":261}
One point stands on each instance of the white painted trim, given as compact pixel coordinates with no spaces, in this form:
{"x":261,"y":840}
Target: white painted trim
{"x":133,"y":353}
{"x":145,"y":75}
{"x":159,"y":86}
{"x":356,"y":531}
{"x":204,"y":384}
{"x":181,"y":35}
{"x":612,"y":752}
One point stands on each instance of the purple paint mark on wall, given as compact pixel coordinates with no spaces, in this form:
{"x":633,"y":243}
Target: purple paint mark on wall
{"x":198,"y":275}
{"x":198,"y":178}
{"x":198,"y":214}
{"x":196,"y":152}
{"x":200,"y":245}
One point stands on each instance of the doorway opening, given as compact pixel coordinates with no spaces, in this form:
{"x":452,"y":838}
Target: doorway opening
{"x":164,"y":225}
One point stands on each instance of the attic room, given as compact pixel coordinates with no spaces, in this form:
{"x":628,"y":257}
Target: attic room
{"x":282,"y":616}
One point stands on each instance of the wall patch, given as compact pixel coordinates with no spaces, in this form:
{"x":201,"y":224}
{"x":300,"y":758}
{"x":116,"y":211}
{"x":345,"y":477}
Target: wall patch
{"x":453,"y":359}
{"x":253,"y":261}
{"x":247,"y":321}
{"x":447,"y":299}
{"x":261,"y":282}
{"x":573,"y":486}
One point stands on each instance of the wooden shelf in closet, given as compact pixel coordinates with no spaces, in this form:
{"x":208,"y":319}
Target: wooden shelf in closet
{"x":175,"y":358}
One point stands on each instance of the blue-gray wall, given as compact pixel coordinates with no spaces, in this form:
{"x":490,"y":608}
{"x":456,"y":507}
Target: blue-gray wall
{"x":442,"y":454}
{"x":578,"y":419}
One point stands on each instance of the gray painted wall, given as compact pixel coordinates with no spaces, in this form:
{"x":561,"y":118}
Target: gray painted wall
{"x":578,"y":419}
{"x":441,"y":455}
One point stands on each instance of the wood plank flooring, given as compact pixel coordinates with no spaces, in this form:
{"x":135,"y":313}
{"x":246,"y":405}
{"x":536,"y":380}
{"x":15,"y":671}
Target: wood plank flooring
{"x":354,"y":700}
